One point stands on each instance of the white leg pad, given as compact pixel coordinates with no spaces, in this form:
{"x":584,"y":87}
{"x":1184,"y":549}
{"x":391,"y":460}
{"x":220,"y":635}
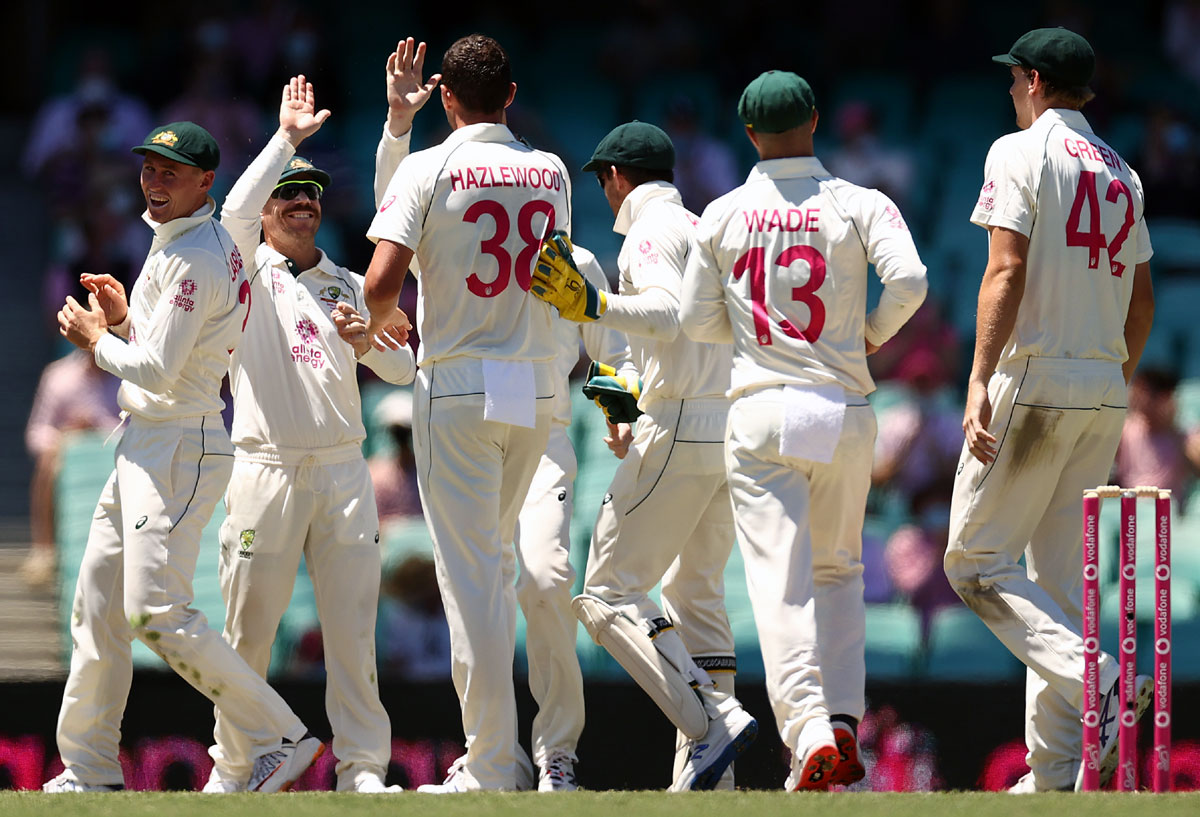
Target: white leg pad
{"x":668,"y":685}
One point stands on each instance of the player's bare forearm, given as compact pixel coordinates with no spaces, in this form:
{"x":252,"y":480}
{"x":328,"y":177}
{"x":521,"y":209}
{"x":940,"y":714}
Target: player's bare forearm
{"x":1000,"y":296}
{"x":385,"y":277}
{"x":1139,"y":319}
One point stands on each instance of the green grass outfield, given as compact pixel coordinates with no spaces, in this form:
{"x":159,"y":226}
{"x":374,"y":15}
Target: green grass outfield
{"x":596,"y":804}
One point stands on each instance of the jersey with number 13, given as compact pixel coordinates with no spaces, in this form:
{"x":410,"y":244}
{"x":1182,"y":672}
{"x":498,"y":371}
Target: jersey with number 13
{"x":1081,"y":206}
{"x":474,"y":210}
{"x":790,"y":249}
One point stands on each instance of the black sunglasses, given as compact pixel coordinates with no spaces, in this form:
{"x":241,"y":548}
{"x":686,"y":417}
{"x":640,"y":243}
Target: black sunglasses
{"x":289,"y":190}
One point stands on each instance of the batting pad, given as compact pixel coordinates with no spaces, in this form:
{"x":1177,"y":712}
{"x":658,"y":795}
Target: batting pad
{"x":667,"y":685}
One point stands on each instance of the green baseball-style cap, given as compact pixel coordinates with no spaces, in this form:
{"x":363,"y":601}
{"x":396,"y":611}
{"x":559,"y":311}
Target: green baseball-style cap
{"x":776,"y":101}
{"x":184,"y":142}
{"x":1059,"y":54}
{"x":300,"y":169}
{"x":634,"y":144}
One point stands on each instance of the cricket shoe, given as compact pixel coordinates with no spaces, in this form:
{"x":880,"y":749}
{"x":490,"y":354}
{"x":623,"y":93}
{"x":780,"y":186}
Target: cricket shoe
{"x":68,"y":783}
{"x":366,"y":781}
{"x":729,"y":734}
{"x":456,"y":780}
{"x":1109,"y":726}
{"x":221,"y":783}
{"x":813,"y":772}
{"x":1028,"y":785}
{"x":849,"y":769}
{"x":279,"y":770}
{"x":557,"y":774}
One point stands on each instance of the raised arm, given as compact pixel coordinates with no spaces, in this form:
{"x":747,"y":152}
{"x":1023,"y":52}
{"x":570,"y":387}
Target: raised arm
{"x":407,"y":93}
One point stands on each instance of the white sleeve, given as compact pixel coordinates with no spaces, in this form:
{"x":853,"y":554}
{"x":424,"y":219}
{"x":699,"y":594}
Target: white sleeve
{"x":388,"y":156}
{"x":401,"y":214}
{"x":241,"y":214}
{"x":890,"y":248}
{"x":193,"y":283}
{"x":1144,"y":249}
{"x":656,"y":264}
{"x":703,"y":314}
{"x":1007,"y":198}
{"x":601,"y":342}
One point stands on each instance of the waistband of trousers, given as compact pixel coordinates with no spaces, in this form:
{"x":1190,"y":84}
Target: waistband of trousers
{"x":272,"y":455}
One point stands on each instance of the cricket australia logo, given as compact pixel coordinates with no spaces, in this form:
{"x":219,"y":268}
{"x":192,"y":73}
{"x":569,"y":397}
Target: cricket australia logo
{"x":245,"y":541}
{"x":165,"y":137}
{"x":183,"y":299}
{"x":332,"y":295}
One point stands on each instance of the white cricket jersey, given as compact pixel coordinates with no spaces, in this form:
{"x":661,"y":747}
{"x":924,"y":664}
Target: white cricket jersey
{"x":1081,"y":206}
{"x":186,"y":313}
{"x":658,"y":233}
{"x":293,"y":378}
{"x":780,"y":268}
{"x":474,"y":210}
{"x":600,"y":343}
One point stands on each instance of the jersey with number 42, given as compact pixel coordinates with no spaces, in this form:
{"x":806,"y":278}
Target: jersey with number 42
{"x":1081,"y":206}
{"x":474,"y":209}
{"x":780,"y":268}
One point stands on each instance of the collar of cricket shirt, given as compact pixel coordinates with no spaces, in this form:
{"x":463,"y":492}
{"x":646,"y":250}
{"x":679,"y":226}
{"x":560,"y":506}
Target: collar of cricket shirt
{"x":638,"y":198}
{"x":481,"y":132}
{"x":278,"y":259}
{"x":170,"y":230}
{"x":787,"y":168}
{"x":1072,"y":119}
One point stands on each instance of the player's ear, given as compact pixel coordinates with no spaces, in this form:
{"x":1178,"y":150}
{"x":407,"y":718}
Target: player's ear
{"x":815,"y":117}
{"x":206,"y":182}
{"x":750,"y":134}
{"x":447,"y":96}
{"x":512,"y":93}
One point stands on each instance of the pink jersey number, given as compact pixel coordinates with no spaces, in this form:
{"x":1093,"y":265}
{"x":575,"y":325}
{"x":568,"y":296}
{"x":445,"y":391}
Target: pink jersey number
{"x":494,"y":246}
{"x":754,"y":260}
{"x":1094,"y":239}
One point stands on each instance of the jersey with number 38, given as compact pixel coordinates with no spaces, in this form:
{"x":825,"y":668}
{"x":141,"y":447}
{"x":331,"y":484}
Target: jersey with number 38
{"x":1081,"y":207}
{"x":780,"y":268}
{"x":474,"y":210}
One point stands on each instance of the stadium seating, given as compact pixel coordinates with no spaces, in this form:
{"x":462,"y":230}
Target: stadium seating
{"x":893,"y":642}
{"x":962,"y":648}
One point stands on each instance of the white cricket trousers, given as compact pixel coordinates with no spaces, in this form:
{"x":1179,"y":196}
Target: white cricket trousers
{"x":136,"y":580}
{"x":799,"y":525}
{"x":321,"y":505}
{"x":668,"y":517}
{"x":474,"y":475}
{"x":1057,"y":423}
{"x":544,"y":592}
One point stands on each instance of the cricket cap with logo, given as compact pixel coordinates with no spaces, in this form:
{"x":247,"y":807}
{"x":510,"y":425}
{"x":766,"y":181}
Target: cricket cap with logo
{"x":634,"y":144}
{"x":1059,"y":55}
{"x":300,"y":169}
{"x":184,"y":142}
{"x":776,"y":101}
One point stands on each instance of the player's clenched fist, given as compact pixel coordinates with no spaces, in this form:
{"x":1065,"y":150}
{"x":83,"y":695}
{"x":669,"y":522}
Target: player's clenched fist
{"x":558,"y":282}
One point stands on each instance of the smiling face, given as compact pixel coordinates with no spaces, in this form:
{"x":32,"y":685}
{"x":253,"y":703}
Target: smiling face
{"x":172,"y":189}
{"x":291,"y":221}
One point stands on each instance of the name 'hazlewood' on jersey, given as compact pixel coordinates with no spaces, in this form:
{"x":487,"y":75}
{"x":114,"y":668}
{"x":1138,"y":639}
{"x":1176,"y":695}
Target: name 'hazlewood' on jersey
{"x":468,"y":177}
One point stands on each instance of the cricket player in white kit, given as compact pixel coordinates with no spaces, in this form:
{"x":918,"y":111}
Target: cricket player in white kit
{"x":170,"y":344}
{"x":474,"y":210}
{"x":300,"y":484}
{"x":780,"y":269}
{"x":1065,"y":308}
{"x":667,"y":516}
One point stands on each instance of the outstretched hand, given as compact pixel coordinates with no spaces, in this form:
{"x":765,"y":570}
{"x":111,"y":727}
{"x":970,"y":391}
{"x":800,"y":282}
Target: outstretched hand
{"x":298,"y":115}
{"x":407,"y":92}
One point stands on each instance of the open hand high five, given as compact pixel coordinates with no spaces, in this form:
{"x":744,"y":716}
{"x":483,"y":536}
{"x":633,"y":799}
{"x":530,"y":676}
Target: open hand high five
{"x":298,"y":115}
{"x":407,"y":92}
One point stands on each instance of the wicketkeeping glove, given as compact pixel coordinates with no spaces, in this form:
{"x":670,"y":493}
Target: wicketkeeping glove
{"x":558,"y":282}
{"x":615,"y":396}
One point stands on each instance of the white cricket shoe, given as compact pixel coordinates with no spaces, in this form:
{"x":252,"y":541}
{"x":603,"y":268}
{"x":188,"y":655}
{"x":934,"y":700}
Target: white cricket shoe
{"x":456,"y":780}
{"x":68,"y":783}
{"x":221,"y":783}
{"x":279,"y":770}
{"x":1109,"y":726}
{"x":1028,"y":785}
{"x":558,"y":774}
{"x":729,"y":734}
{"x":366,"y":781}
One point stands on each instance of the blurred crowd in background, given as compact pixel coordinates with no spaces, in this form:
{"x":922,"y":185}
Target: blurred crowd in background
{"x":909,"y":104}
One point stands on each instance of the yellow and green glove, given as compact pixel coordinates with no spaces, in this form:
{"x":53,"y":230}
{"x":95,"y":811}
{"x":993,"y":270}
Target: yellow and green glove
{"x":613,"y":393}
{"x":558,"y":282}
